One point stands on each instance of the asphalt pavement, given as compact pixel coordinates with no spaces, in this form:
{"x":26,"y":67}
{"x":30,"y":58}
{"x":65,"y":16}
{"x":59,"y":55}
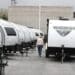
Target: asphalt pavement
{"x":34,"y":65}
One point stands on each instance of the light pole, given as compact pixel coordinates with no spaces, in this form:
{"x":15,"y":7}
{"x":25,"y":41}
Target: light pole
{"x":39,"y":15}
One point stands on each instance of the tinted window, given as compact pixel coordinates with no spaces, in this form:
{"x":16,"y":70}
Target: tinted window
{"x":36,"y":34}
{"x":41,"y":34}
{"x":10,"y":31}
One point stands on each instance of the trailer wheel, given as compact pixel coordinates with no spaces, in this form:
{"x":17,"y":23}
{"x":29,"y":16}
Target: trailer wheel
{"x":14,"y":51}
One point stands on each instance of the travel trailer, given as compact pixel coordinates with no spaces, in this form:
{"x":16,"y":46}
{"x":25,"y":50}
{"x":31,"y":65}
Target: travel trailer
{"x":15,"y":37}
{"x":61,"y":38}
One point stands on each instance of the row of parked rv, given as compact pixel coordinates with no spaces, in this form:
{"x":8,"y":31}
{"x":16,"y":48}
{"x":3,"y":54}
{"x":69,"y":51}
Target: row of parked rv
{"x":14,"y":37}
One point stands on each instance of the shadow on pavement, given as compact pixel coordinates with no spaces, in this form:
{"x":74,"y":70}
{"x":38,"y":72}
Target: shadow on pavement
{"x":69,"y":59}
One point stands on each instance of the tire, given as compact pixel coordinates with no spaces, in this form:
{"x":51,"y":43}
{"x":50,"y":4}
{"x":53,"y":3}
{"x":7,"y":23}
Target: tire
{"x":14,"y":51}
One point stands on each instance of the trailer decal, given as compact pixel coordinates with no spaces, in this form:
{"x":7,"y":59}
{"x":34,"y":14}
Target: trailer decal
{"x":63,"y":31}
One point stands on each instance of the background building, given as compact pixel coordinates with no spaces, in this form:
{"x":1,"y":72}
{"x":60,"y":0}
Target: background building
{"x":4,"y":13}
{"x":29,"y":15}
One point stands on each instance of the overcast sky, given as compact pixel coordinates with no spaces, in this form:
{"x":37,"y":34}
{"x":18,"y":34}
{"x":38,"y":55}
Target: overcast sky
{"x":6,"y":3}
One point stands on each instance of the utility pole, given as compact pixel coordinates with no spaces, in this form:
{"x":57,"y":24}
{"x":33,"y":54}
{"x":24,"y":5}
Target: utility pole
{"x":39,"y":14}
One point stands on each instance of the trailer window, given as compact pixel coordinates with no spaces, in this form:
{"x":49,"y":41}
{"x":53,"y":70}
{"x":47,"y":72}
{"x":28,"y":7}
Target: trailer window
{"x":41,"y":34}
{"x":10,"y":31}
{"x":36,"y":34}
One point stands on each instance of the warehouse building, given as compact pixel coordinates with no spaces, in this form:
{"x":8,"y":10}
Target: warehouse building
{"x":29,"y":15}
{"x":3,"y":13}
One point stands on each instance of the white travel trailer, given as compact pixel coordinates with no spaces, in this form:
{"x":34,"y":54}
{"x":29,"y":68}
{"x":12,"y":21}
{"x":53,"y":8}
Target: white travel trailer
{"x":37,"y":33}
{"x":9,"y":36}
{"x":15,"y":37}
{"x":22,"y":35}
{"x":19,"y":35}
{"x":61,"y":38}
{"x":27,"y":36}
